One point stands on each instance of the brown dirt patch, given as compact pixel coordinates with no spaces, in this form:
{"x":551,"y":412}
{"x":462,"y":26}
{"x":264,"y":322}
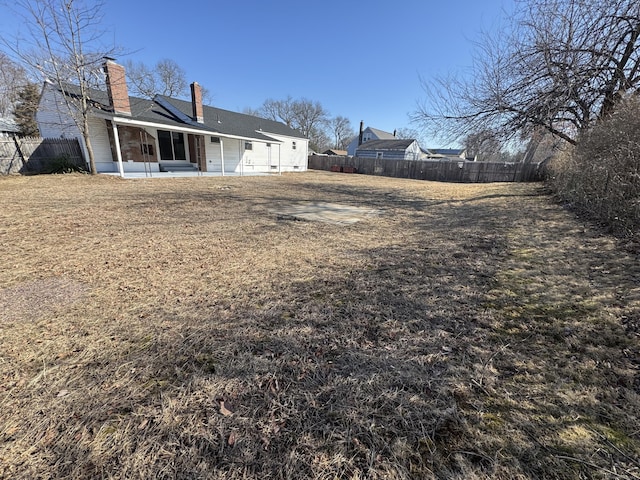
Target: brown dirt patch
{"x":30,"y":300}
{"x":472,"y":331}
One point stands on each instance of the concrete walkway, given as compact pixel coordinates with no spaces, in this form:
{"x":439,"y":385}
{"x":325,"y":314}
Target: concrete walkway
{"x":326,"y":212}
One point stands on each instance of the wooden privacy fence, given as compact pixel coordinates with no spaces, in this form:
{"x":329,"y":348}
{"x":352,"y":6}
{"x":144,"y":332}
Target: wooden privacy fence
{"x":443,"y":171}
{"x":38,"y":155}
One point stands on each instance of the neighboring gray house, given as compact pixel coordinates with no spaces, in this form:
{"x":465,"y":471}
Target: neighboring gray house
{"x":368,"y":133}
{"x":8,"y":128}
{"x":405,"y":149}
{"x":130,"y":134}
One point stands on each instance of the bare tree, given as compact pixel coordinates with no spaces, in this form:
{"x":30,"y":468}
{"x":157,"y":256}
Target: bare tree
{"x":319,"y":140}
{"x":341,"y":130}
{"x":166,"y":77}
{"x":303,"y":114}
{"x":62,"y":42}
{"x":307,"y":116}
{"x":485,"y":145}
{"x":560,"y":67}
{"x":12,"y":78}
{"x":279,"y":110}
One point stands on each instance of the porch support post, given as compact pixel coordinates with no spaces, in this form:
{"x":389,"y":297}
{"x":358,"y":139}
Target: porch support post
{"x":116,"y":139}
{"x":222,"y":155}
{"x":241,"y":150}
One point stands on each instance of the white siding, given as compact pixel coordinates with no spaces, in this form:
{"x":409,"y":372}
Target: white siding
{"x":212,"y":152}
{"x":292,"y":159}
{"x":413,"y":152}
{"x":231,"y":150}
{"x":231,"y":154}
{"x":101,"y":145}
{"x":53,"y":116}
{"x":264,"y":157}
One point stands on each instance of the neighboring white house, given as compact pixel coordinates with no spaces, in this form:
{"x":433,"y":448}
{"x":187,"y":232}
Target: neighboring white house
{"x":130,"y":134}
{"x":368,"y":134}
{"x":403,"y":149}
{"x":446,"y":154}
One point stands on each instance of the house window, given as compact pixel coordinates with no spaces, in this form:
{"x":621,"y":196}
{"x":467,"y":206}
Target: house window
{"x":171,"y":145}
{"x":248,"y":146}
{"x":146,"y":149}
{"x":379,"y":154}
{"x":268,"y":145}
{"x":215,"y":139}
{"x":294,"y":145}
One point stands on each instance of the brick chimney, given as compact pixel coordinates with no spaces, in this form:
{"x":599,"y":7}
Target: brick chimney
{"x":361,"y":132}
{"x":196,"y":102}
{"x":117,"y":87}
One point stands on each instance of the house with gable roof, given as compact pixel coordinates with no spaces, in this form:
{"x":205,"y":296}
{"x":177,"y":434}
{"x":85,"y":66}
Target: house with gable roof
{"x":396,"y":149}
{"x":367,"y":134}
{"x":130,"y":134}
{"x":447,"y":154}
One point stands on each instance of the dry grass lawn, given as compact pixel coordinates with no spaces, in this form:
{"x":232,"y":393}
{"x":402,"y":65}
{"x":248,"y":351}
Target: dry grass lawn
{"x":180,"y":328}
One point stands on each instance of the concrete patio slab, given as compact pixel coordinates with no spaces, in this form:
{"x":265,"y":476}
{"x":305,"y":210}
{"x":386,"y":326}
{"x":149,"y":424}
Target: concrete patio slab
{"x":326,"y":212}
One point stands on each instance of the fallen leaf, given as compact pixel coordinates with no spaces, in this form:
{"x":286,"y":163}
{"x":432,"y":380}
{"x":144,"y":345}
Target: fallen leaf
{"x":143,"y":424}
{"x":232,"y":439}
{"x":224,"y":410}
{"x":63,"y":393}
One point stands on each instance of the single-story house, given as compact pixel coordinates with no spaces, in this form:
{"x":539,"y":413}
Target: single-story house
{"x":397,"y":149}
{"x":130,"y":134}
{"x":367,"y":134}
{"x":8,"y":127}
{"x":446,"y":153}
{"x":333,"y":151}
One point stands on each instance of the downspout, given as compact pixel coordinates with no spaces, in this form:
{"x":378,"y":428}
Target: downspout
{"x":116,"y":139}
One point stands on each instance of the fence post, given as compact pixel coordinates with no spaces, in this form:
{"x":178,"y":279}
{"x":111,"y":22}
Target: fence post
{"x":19,"y":150}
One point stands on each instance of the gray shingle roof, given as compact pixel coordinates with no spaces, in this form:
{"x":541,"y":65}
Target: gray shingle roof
{"x":8,"y":125}
{"x":396,"y":144}
{"x":217,"y":120}
{"x":447,"y":151}
{"x":233,"y":123}
{"x":381,"y":134}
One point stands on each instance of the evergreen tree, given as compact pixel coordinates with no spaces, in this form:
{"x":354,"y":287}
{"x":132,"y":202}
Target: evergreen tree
{"x":25,"y":110}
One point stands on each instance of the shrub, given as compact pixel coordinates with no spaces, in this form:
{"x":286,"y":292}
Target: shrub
{"x":601,"y":175}
{"x":63,"y":164}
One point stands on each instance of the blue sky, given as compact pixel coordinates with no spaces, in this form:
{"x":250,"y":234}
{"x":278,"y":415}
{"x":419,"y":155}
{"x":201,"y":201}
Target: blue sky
{"x":361,"y":60}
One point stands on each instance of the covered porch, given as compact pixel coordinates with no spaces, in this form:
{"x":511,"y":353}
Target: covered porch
{"x":139,"y":149}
